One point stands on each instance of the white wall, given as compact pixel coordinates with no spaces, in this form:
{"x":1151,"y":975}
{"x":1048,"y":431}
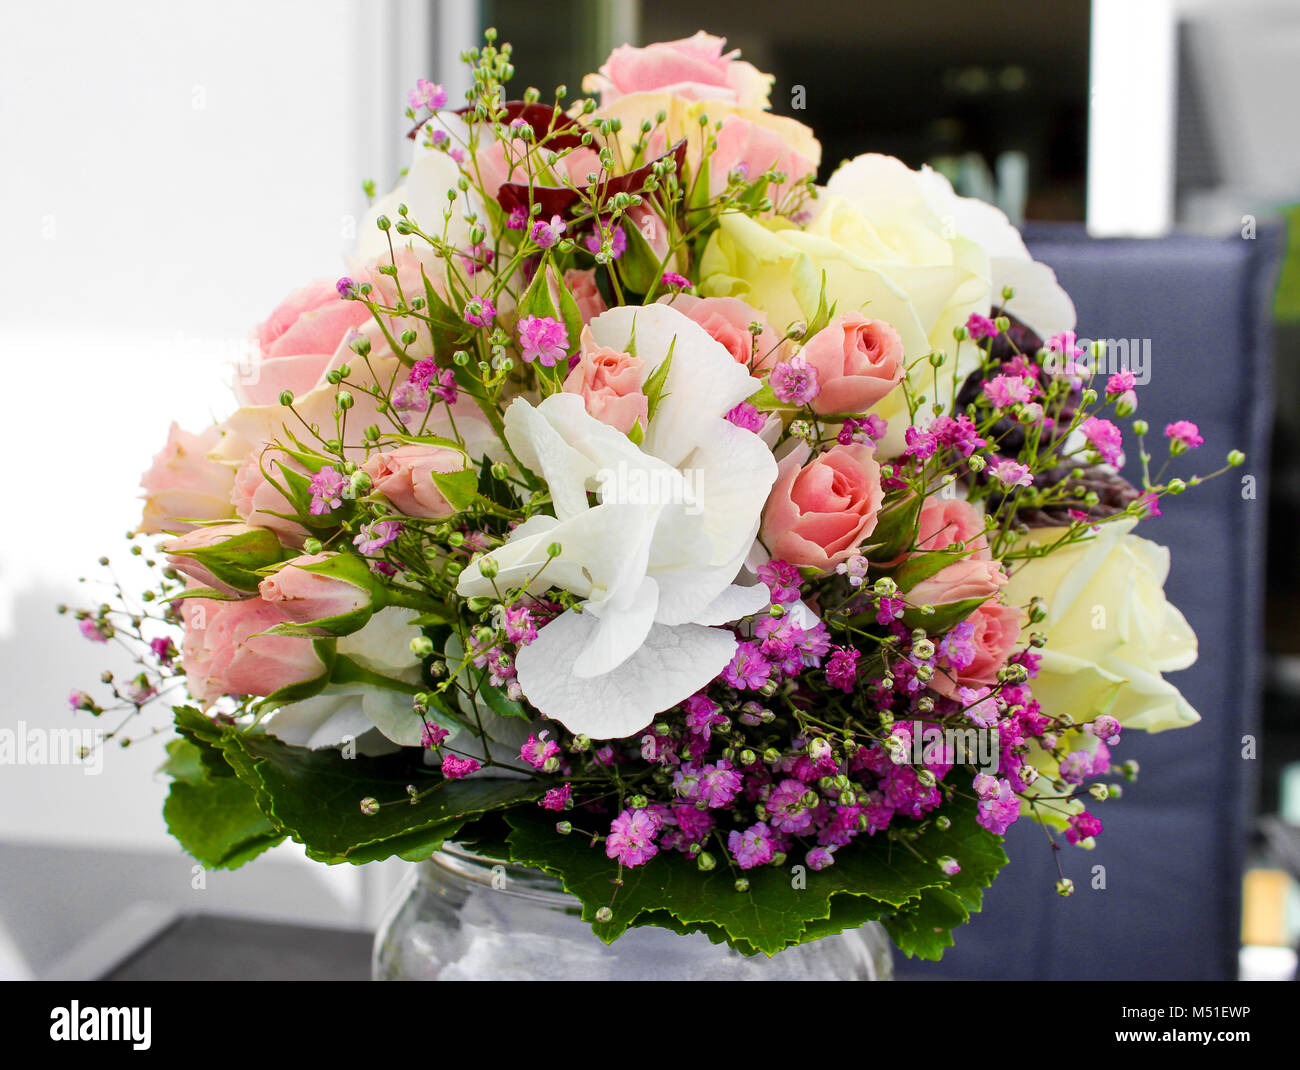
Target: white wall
{"x":170,"y":171}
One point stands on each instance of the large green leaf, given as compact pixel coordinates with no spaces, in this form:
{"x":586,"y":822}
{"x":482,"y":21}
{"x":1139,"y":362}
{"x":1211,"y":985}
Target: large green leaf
{"x":925,"y":928}
{"x":872,"y":878}
{"x":314,"y":796}
{"x":218,"y":822}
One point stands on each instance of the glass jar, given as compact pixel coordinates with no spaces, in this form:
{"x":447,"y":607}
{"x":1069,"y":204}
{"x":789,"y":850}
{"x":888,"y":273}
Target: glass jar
{"x":459,"y":917}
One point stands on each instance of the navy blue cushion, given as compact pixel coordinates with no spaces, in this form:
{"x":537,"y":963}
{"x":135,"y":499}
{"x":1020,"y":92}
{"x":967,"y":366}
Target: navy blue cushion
{"x":1173,"y":846}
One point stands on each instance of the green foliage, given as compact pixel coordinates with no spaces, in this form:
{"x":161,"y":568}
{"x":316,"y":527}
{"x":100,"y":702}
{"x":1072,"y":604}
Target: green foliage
{"x":873,"y":878}
{"x":314,"y":796}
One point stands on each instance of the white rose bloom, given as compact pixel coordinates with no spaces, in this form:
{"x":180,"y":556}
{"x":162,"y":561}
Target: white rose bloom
{"x":1110,"y":631}
{"x":656,"y":558}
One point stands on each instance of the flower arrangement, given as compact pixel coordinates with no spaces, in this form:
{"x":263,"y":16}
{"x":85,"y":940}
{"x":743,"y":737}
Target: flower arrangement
{"x":748,"y":553}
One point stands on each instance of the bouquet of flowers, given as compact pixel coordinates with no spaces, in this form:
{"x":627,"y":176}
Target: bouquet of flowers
{"x":748,"y":553}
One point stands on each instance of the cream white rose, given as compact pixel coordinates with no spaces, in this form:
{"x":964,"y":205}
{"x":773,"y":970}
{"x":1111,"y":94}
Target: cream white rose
{"x":896,"y":245}
{"x":1110,"y":631}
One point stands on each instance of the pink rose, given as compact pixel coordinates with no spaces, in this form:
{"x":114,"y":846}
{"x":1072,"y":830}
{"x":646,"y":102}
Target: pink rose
{"x":296,"y":342}
{"x":727,"y":320}
{"x":405,"y":477}
{"x":610,"y":385}
{"x":858,"y":362}
{"x":818,"y":513}
{"x":224,"y":654}
{"x":183,"y":484}
{"x":997,"y":631}
{"x":958,"y":582}
{"x":754,"y":149}
{"x":945,"y":522}
{"x":582,"y":285}
{"x":695,"y":68}
{"x":234,"y":551}
{"x":305,"y":596}
{"x":258,"y":501}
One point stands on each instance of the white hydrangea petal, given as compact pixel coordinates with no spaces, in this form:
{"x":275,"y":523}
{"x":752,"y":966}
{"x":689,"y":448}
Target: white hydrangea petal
{"x":548,"y":453}
{"x":734,"y":473}
{"x":670,"y":666}
{"x":735,"y":602}
{"x":618,"y":632}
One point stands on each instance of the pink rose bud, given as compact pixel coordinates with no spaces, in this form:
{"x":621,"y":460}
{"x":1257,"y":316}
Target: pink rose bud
{"x":858,"y":362}
{"x":184,"y":485}
{"x":582,"y":285}
{"x":258,"y":500}
{"x":333,"y":591}
{"x":959,"y":582}
{"x":405,"y":477}
{"x":948,"y":521}
{"x":225,"y":557}
{"x":224,"y":652}
{"x":610,"y":385}
{"x":997,"y":631}
{"x":752,"y":149}
{"x":819,"y":513}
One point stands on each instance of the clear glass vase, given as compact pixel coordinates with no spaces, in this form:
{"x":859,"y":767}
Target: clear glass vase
{"x":458,"y":917}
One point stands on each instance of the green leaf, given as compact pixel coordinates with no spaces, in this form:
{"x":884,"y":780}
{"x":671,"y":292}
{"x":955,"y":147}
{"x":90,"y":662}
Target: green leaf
{"x":184,"y":761}
{"x":204,"y":734}
{"x":895,"y":531}
{"x":805,"y":277}
{"x":654,"y":384}
{"x":944,"y":616}
{"x":236,"y":559}
{"x":639,"y":267}
{"x":755,"y":192}
{"x":218,"y":821}
{"x":765,"y":400}
{"x":314,"y":796}
{"x":445,"y":326}
{"x":924,"y":930}
{"x":499,"y":702}
{"x":872,"y":878}
{"x":922,"y":566}
{"x":495,"y":490}
{"x":425,"y":440}
{"x":459,"y":488}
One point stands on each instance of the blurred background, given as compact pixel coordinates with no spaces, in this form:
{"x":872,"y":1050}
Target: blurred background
{"x":174,"y":170}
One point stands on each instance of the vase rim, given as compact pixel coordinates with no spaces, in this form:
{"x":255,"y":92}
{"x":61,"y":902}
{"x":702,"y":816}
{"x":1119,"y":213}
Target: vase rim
{"x":511,"y":878}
